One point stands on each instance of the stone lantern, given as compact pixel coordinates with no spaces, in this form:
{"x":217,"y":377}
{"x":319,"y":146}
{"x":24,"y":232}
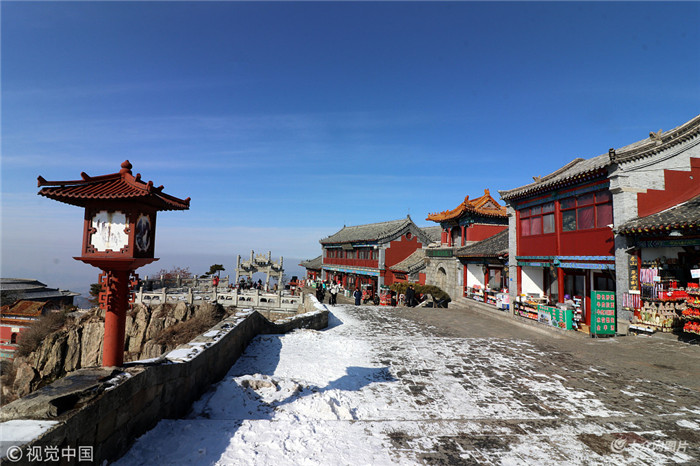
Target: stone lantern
{"x":118,"y":237}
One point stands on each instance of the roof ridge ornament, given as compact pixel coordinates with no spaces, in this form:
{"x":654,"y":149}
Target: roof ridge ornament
{"x":656,"y":136}
{"x":126,"y":167}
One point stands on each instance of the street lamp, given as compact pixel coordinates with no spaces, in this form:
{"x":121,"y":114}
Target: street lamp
{"x":118,"y":237}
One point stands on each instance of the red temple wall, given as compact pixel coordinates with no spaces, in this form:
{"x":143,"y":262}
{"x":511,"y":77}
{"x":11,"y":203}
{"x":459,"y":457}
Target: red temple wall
{"x":400,"y":249}
{"x":680,"y":186}
{"x":481,"y":232}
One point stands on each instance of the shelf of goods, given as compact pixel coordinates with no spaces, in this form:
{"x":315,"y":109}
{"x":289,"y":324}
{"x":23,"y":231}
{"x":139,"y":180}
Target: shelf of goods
{"x":527,"y":307}
{"x":660,"y":315}
{"x":691,"y":314}
{"x":477,"y":294}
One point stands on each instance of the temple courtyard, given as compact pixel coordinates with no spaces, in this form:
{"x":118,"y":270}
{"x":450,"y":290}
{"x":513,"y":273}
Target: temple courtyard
{"x":441,"y":386}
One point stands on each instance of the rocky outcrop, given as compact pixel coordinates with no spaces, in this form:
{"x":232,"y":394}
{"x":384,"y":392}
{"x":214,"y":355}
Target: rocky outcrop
{"x":78,"y":344}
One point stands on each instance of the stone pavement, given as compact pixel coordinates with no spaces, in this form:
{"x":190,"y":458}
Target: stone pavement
{"x":647,"y":388}
{"x":443,"y":386}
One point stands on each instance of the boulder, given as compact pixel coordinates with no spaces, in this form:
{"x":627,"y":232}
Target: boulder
{"x":24,"y":379}
{"x":91,"y":343}
{"x":137,"y":332}
{"x":52,"y":368}
{"x":72,"y":359}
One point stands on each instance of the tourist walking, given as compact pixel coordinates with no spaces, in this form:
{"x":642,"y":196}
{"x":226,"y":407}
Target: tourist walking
{"x":358,"y":296}
{"x":334,"y":294}
{"x":319,"y":292}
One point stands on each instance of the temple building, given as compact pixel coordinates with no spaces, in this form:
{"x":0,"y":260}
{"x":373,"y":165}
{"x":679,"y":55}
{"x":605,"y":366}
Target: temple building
{"x":471,"y":221}
{"x":486,"y":268}
{"x":313,"y":268}
{"x":363,"y":255}
{"x":589,"y":226}
{"x":24,"y":302}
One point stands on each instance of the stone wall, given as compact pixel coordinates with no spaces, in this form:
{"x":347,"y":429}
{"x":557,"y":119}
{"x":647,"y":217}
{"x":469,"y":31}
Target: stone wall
{"x":451,"y":280}
{"x":78,"y":344}
{"x":108,"y":408}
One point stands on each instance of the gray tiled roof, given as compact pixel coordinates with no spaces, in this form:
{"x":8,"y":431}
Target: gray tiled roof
{"x":577,"y":168}
{"x":412,"y":263}
{"x":682,"y":216}
{"x":658,"y":142}
{"x":494,"y":246}
{"x":434,"y":233}
{"x":312,"y":264}
{"x":370,"y":232}
{"x":33,"y":289}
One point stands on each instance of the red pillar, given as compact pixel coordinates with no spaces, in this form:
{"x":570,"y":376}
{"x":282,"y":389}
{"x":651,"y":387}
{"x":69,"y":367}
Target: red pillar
{"x":117,"y":302}
{"x":465,"y":281}
{"x":560,"y":283}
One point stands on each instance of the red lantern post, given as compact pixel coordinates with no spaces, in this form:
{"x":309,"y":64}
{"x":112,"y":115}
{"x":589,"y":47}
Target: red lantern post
{"x":118,"y":237}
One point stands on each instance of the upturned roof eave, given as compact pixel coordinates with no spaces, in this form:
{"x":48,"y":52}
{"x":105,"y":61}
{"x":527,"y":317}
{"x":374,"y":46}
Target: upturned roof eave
{"x":121,"y":186}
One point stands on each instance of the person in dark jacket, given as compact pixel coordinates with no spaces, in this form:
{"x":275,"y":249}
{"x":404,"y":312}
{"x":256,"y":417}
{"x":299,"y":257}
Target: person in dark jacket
{"x":319,"y":292}
{"x":410,"y":296}
{"x":358,"y":296}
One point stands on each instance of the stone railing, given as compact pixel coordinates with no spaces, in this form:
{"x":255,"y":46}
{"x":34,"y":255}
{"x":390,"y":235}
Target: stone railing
{"x":247,"y":298}
{"x":151,"y":283}
{"x":99,"y":412}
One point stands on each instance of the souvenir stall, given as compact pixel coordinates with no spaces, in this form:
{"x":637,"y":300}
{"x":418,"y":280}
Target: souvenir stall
{"x":664,"y":270}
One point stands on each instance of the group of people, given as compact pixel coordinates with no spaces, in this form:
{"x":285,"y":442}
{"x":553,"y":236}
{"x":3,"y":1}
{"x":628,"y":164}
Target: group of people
{"x":248,"y":284}
{"x":333,"y":288}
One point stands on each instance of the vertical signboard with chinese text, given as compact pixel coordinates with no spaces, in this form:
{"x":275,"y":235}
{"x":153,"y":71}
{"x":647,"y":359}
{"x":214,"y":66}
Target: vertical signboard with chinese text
{"x":632,"y":264}
{"x":603,"y":321}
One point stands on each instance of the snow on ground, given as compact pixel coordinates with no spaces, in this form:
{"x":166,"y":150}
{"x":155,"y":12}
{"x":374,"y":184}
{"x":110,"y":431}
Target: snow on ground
{"x":374,"y":391}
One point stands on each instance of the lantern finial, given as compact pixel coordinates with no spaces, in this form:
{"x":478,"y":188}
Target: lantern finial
{"x":126,"y":167}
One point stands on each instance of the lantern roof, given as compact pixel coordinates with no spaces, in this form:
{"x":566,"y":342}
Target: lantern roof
{"x":120,"y":186}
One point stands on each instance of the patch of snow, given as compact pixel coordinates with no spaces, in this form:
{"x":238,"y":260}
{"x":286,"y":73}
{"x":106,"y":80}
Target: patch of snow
{"x":18,"y":432}
{"x":116,"y":380}
{"x":688,"y":424}
{"x":363,"y":393}
{"x":23,"y":430}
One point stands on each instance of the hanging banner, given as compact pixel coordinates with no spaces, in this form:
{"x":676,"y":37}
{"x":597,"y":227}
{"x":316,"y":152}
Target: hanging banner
{"x":632,"y":265}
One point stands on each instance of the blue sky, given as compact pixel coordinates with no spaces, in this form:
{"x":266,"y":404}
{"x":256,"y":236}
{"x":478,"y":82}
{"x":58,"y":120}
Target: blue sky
{"x":285,"y":121}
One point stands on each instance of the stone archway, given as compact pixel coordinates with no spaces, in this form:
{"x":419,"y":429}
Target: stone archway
{"x":441,"y":278}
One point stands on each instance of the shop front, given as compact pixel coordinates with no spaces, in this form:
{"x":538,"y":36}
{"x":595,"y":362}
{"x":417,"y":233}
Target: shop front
{"x":571,"y":283}
{"x":667,"y":287}
{"x":485,"y":270}
{"x":351,"y":278}
{"x":663,"y":270}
